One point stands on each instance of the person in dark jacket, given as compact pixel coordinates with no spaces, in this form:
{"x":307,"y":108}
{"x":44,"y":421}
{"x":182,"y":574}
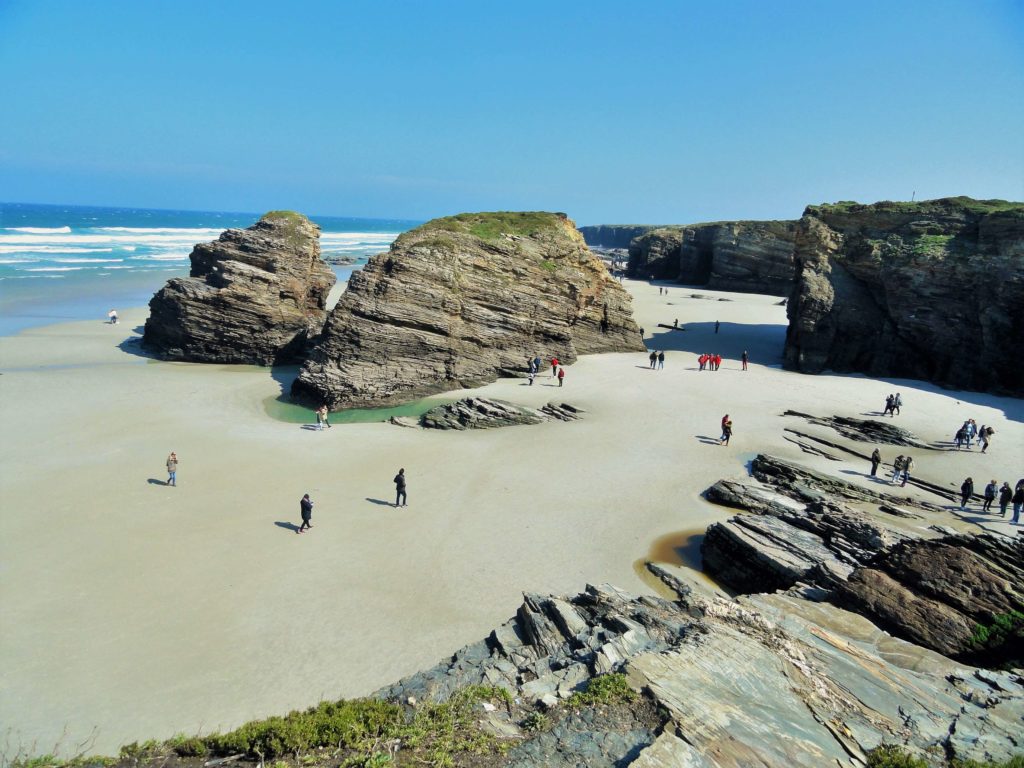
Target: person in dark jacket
{"x":990,"y":496}
{"x":966,"y":491}
{"x":876,"y":459}
{"x":661,"y":360}
{"x":1018,"y":501}
{"x":306,"y":510}
{"x":1005,"y":494}
{"x":400,"y":497}
{"x":653,"y":357}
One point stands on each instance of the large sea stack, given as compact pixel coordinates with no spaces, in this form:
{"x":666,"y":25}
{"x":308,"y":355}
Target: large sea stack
{"x":461,"y":299}
{"x":743,"y":256}
{"x":255,"y":295}
{"x":931,"y":290}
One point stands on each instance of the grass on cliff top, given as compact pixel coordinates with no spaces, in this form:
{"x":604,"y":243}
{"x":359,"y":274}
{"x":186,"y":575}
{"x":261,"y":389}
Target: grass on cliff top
{"x":492,"y":226}
{"x":975,"y":206}
{"x":892,"y":756}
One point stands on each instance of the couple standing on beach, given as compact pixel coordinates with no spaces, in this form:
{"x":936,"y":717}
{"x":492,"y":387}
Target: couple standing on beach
{"x":306,"y":503}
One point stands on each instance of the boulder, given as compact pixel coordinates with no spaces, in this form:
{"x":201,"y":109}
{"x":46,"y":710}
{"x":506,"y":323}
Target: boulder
{"x":486,"y":413}
{"x":927,"y":290}
{"x":255,"y":295}
{"x":459,"y":299}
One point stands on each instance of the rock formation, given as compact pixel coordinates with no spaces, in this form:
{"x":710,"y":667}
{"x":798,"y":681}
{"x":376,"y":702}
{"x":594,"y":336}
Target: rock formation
{"x":613,"y":235}
{"x":928,"y":290}
{"x":255,"y":295}
{"x":743,"y":256}
{"x":485,"y":413}
{"x":460,"y":299}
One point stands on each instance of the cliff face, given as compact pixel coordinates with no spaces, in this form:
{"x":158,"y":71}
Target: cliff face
{"x":255,"y":295}
{"x":745,"y":256}
{"x":614,"y":235}
{"x":929,"y":290}
{"x":458,"y":300}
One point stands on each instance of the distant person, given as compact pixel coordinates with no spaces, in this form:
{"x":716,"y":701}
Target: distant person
{"x":897,"y":468}
{"x":531,"y":377}
{"x":554,"y":367}
{"x":661,"y":360}
{"x":400,"y":497}
{"x":1018,"y":501}
{"x":325,"y":415}
{"x":726,"y":430}
{"x":718,"y":362}
{"x":653,"y":357}
{"x":889,"y":400}
{"x":702,"y":361}
{"x":745,"y":358}
{"x":675,"y":323}
{"x":172,"y":469}
{"x":990,"y":496}
{"x":536,"y":364}
{"x":641,"y":333}
{"x":319,"y":420}
{"x":306,"y":510}
{"x":112,"y":316}
{"x":1005,"y":494}
{"x":966,"y":491}
{"x":897,"y":402}
{"x":908,"y":465}
{"x":960,"y":437}
{"x":716,"y":326}
{"x":985,"y":435}
{"x":876,"y":459}
{"x":561,"y":375}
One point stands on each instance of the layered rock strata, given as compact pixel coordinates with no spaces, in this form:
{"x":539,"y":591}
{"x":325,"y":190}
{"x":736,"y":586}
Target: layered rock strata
{"x":928,"y":290}
{"x":460,"y":299}
{"x":486,"y":413}
{"x":743,"y":256}
{"x":769,"y":680}
{"x":255,"y":295}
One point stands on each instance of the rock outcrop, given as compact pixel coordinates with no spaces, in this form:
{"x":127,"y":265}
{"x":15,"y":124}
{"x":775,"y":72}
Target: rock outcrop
{"x":485,"y":413}
{"x":460,"y":299}
{"x":255,"y":295}
{"x":613,"y":235}
{"x":767,"y":680}
{"x":743,"y":256}
{"x":928,"y":290}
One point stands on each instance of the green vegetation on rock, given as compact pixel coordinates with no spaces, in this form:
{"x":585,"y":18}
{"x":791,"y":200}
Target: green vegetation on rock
{"x":603,"y":689}
{"x":969,"y":203}
{"x":492,"y":226}
{"x":931,"y":245}
{"x":293,"y":224}
{"x":999,"y":631}
{"x":892,"y":756}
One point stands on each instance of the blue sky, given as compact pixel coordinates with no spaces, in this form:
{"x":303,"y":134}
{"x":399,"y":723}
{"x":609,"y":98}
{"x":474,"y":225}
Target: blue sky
{"x":648,"y":112}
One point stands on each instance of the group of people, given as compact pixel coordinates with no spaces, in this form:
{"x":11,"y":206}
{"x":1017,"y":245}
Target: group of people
{"x":893,"y":403}
{"x":992,"y":492}
{"x":657,"y":360}
{"x":709,"y":362}
{"x":557,"y":370}
{"x":969,"y":431}
{"x":901,"y":468}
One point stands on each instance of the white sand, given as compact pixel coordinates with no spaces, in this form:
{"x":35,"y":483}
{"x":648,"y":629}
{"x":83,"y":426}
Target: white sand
{"x":141,"y":610}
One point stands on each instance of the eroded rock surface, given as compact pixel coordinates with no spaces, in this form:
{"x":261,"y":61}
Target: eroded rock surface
{"x":459,"y":299}
{"x":487,"y":413}
{"x":928,"y":290}
{"x":255,"y":295}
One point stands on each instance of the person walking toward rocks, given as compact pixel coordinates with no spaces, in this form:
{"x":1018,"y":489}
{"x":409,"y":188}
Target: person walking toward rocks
{"x":908,"y":465}
{"x":306,"y":511}
{"x":661,"y":360}
{"x":888,"y":405}
{"x":112,"y":316}
{"x":966,"y":491}
{"x":554,"y":367}
{"x":1005,"y":494}
{"x":653,"y":357}
{"x":876,"y":459}
{"x":172,"y":469}
{"x":745,"y":358}
{"x":561,"y":376}
{"x":726,"y":430}
{"x":400,"y":497}
{"x":896,"y":403}
{"x":990,"y":496}
{"x":897,"y":468}
{"x":1018,"y":501}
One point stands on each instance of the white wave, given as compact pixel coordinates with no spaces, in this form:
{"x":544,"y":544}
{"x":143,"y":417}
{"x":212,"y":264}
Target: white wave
{"x":87,"y":261}
{"x":163,"y":257}
{"x":40,"y":230}
{"x":202,"y":231}
{"x":350,"y":237}
{"x":19,"y":261}
{"x":50,"y":249}
{"x":53,"y":269}
{"x":40,"y":240}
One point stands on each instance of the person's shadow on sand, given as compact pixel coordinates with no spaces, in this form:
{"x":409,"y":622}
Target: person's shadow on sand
{"x":154,"y":481}
{"x":311,"y":427}
{"x":708,"y":440}
{"x":380,"y":502}
{"x":286,"y":526}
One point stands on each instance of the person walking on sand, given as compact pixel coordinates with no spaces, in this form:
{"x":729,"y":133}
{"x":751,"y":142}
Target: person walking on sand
{"x":401,"y":500}
{"x":561,"y":375}
{"x":726,"y":430}
{"x":716,"y":326}
{"x":554,"y":367}
{"x":531,"y":377}
{"x":966,"y":491}
{"x":326,"y":415}
{"x":172,"y":469}
{"x":888,"y":405}
{"x":675,"y":323}
{"x":1018,"y":501}
{"x":661,"y":360}
{"x":984,"y":436}
{"x":990,"y":496}
{"x":112,"y":316}
{"x":1005,"y":494}
{"x":536,"y":364}
{"x":897,"y":468}
{"x":876,"y":459}
{"x":745,"y":358}
{"x":897,"y":403}
{"x":908,"y":465}
{"x":653,"y":357}
{"x":306,"y":510}
{"x":319,"y":420}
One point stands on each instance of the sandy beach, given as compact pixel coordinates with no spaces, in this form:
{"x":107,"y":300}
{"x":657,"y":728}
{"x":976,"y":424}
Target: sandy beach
{"x":132,"y":610}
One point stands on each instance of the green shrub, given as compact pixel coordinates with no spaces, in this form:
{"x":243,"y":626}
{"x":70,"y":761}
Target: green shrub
{"x":187,"y":746}
{"x":995,"y":634}
{"x":603,"y":689}
{"x":536,"y":721}
{"x":892,"y":756}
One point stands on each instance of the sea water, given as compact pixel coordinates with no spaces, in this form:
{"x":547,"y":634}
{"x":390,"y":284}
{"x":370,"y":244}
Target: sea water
{"x":61,"y":262}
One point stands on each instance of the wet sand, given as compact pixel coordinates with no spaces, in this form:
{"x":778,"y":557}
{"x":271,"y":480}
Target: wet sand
{"x":132,"y":610}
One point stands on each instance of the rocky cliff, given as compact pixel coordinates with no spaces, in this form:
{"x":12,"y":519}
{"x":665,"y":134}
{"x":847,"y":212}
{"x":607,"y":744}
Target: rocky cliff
{"x":930,"y":290}
{"x":613,"y":235}
{"x":745,"y":256}
{"x":460,"y":299}
{"x":254,"y":295}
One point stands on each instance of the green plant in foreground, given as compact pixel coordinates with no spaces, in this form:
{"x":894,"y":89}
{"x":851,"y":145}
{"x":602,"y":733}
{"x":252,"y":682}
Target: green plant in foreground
{"x":892,"y":756}
{"x":535,"y":722}
{"x":1003,"y":625}
{"x":603,"y":689}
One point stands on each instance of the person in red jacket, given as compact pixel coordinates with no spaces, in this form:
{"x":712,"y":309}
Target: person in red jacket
{"x":561,"y":375}
{"x":554,"y":366}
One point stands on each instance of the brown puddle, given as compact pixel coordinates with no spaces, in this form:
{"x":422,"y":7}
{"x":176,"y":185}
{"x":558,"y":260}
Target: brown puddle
{"x":678,"y":549}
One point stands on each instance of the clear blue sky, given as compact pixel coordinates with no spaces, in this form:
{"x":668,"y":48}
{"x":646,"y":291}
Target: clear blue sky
{"x":610,"y":111}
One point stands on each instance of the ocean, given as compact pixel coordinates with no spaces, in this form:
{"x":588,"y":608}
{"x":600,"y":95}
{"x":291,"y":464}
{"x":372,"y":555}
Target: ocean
{"x":63,"y":262}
